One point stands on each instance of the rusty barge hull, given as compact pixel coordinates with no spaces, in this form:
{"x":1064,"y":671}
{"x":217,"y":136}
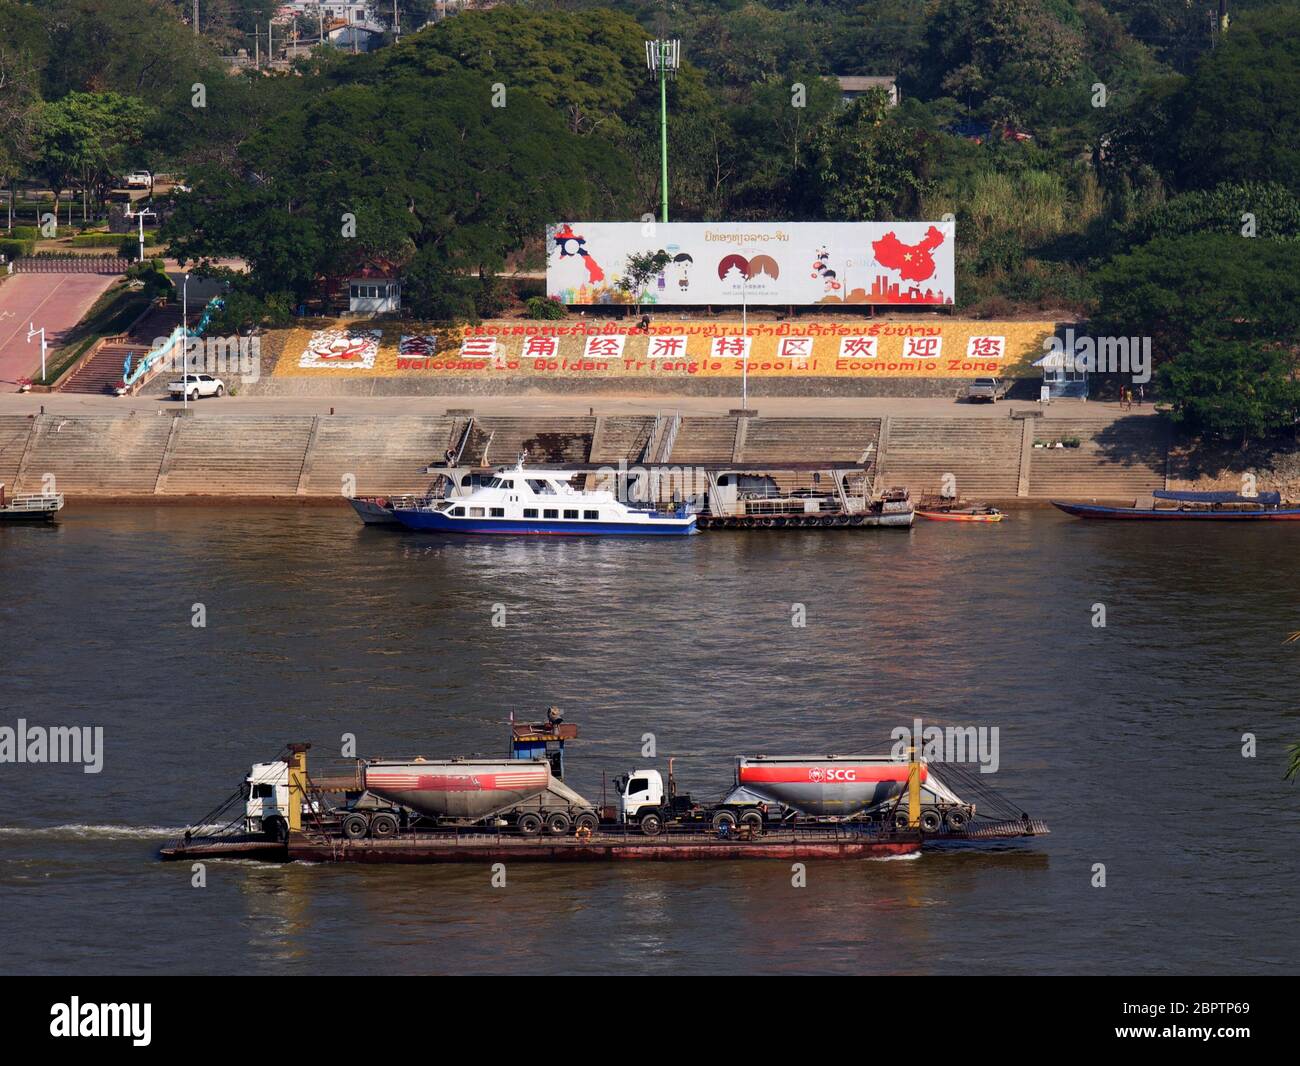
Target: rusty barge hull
{"x":698,"y":849}
{"x":452,"y":848}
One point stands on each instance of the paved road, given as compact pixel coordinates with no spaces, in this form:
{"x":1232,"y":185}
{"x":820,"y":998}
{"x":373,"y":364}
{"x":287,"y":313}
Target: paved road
{"x":55,"y":301}
{"x":534,"y":405}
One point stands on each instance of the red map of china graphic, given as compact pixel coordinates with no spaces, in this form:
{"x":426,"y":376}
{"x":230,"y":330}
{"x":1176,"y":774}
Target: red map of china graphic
{"x":912,"y":261}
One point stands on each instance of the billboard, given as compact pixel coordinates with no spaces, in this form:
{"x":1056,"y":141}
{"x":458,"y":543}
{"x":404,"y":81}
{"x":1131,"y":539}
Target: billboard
{"x":796,"y":263}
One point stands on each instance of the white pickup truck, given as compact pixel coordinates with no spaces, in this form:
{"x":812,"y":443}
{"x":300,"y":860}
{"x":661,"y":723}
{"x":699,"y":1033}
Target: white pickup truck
{"x":983,"y":390}
{"x":197,"y":385}
{"x":139,"y":179}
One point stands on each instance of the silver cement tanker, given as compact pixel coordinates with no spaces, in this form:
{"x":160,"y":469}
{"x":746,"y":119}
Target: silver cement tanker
{"x":842,"y":786}
{"x":522,"y":793}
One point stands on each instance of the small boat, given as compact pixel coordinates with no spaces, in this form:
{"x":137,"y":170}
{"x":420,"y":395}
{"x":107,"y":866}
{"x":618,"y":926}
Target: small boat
{"x":542,"y":502}
{"x":976,"y":513}
{"x":1191,"y":506}
{"x":30,"y":507}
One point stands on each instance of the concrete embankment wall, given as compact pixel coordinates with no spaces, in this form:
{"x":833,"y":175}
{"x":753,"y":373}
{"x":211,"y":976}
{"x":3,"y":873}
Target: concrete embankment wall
{"x":140,"y":455}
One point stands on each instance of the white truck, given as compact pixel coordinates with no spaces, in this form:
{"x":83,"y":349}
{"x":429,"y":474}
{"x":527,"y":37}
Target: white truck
{"x":196,"y":385}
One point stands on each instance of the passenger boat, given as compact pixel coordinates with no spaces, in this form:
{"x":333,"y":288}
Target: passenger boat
{"x":538,"y":501}
{"x":1191,"y":506}
{"x":449,"y":481}
{"x":30,"y":507}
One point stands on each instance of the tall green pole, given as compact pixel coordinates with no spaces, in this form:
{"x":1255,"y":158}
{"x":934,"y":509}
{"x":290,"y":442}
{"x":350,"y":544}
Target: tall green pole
{"x":663,"y":121}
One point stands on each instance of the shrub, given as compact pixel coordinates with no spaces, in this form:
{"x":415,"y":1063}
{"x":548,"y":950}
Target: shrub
{"x":544,"y":307}
{"x":12,"y":249}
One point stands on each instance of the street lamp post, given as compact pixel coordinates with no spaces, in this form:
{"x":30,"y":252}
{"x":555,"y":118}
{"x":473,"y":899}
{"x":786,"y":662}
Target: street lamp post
{"x":744,"y":341}
{"x":31,"y":332}
{"x":140,"y":216}
{"x":185,"y":343}
{"x":663,"y":57}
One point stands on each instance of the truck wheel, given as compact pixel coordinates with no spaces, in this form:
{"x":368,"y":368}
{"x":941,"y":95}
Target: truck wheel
{"x":587,"y":820}
{"x":276,"y":828}
{"x":529,"y":825}
{"x":931,"y":821}
{"x":901,"y":820}
{"x":194,"y":396}
{"x":753,"y":819}
{"x":355,"y":826}
{"x":724,"y":818}
{"x":651,"y":825}
{"x":558,"y":824}
{"x":957,"y":820}
{"x":383,"y":826}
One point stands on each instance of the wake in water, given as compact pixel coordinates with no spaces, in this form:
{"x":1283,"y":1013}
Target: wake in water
{"x":101,"y":832}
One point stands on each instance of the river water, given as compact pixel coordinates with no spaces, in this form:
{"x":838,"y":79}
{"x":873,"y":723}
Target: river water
{"x":1126,"y":739}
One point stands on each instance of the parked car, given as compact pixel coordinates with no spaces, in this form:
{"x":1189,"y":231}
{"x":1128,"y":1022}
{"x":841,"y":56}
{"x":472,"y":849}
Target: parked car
{"x":139,"y":179}
{"x":983,"y":390}
{"x":197,"y":385}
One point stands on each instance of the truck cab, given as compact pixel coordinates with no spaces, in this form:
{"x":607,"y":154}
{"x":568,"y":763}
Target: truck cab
{"x":266,"y":799}
{"x":640,"y":793}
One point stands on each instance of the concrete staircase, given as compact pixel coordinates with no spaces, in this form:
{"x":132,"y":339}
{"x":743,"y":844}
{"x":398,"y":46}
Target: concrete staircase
{"x":240,"y":456}
{"x":105,"y":456}
{"x":14,"y":433}
{"x":621,"y":437}
{"x":541,"y":440}
{"x":982,"y":454}
{"x":832,"y":439}
{"x":102,"y":371}
{"x":704,"y":440}
{"x":1115,"y":460}
{"x":380,"y":455}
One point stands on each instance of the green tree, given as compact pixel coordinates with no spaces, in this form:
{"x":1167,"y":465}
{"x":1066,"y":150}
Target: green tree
{"x":84,"y":139}
{"x":1197,"y":287}
{"x":1236,"y":390}
{"x":1237,"y":119}
{"x":867,"y":165}
{"x":640,"y":270}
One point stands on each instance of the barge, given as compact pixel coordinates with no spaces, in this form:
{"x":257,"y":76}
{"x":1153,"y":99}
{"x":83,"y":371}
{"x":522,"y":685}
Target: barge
{"x":457,"y":810}
{"x":799,"y":497}
{"x":30,"y":507}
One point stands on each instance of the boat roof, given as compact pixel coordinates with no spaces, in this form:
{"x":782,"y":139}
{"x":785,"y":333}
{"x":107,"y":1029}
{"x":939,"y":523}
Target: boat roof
{"x":1267,"y":499}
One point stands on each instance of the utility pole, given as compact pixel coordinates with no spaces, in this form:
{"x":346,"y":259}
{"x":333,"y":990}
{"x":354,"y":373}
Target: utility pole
{"x":196,"y":17}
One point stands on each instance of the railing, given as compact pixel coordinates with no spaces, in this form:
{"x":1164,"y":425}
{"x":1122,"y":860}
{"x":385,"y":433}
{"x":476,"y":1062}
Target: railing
{"x":151,"y":359}
{"x":71,"y":264}
{"x":32,"y":502}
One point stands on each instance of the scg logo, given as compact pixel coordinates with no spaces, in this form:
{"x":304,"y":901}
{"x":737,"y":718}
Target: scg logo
{"x":819,"y":774}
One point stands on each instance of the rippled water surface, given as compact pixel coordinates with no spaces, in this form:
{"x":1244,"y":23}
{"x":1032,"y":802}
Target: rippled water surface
{"x":1126,"y":739}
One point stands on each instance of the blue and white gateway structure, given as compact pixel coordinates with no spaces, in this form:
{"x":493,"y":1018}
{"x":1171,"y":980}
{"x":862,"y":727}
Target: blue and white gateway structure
{"x":541,"y":501}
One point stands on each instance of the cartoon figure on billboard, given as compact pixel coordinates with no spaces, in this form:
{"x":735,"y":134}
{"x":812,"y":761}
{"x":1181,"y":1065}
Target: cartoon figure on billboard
{"x":822,"y":262}
{"x":682,"y":262}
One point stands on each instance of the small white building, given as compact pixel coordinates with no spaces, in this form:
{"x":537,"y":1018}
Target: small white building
{"x":373,"y":293}
{"x":852,"y":87}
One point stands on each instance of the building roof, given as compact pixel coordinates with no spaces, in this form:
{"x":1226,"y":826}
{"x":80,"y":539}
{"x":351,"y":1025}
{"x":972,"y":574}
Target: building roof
{"x":855,"y":84}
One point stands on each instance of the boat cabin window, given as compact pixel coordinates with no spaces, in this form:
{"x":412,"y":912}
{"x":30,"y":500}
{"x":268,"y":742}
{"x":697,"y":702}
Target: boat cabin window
{"x":467,"y":481}
{"x":507,"y":484}
{"x":498,"y":512}
{"x":541,"y":488}
{"x":476,"y":512}
{"x":530,"y":512}
{"x":571,"y":514}
{"x":591,"y":515}
{"x":550,"y":512}
{"x":459,"y":512}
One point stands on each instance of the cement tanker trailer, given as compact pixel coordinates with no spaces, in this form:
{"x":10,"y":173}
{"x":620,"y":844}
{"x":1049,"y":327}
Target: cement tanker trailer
{"x":521,"y":794}
{"x":794,"y":789}
{"x":838,"y":787}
